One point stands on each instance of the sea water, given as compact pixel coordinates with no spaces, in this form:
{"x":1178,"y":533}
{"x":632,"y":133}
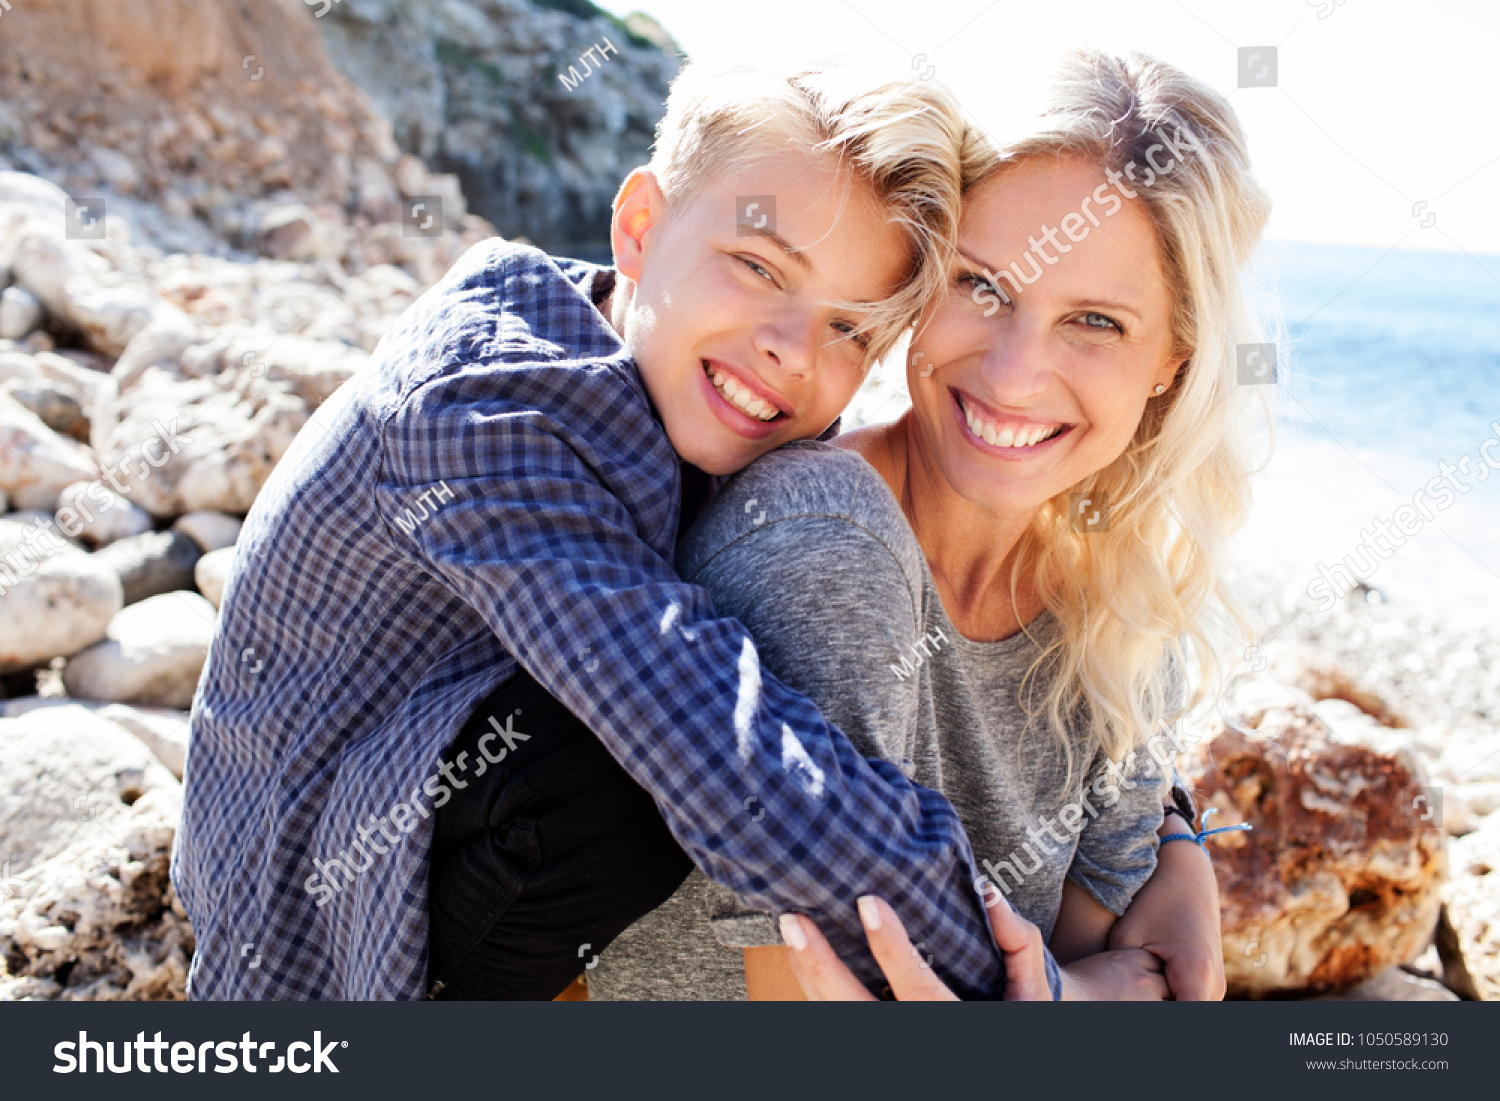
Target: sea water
{"x":1387,"y":394}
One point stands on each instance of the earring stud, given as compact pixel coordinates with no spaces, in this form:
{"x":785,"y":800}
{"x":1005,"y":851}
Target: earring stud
{"x":1161,"y":388}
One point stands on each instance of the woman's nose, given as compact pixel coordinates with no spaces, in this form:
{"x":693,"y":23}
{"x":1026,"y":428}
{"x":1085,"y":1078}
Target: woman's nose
{"x":1015,"y":365}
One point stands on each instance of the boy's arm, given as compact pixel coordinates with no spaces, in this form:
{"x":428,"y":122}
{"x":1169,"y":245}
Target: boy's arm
{"x":531,"y":529}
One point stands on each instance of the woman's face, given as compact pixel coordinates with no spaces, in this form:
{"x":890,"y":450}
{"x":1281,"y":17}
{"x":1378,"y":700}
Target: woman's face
{"x":1070,"y":356}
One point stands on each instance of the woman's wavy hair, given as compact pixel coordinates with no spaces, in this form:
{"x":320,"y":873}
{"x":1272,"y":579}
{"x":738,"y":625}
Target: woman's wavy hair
{"x":1131,"y":600}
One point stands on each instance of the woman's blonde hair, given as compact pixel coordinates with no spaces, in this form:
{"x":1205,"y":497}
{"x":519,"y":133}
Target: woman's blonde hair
{"x":906,"y":140}
{"x":1128,"y":598}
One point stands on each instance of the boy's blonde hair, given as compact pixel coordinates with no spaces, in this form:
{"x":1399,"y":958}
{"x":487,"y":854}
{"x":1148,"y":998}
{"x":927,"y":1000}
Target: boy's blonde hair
{"x":907,"y":141}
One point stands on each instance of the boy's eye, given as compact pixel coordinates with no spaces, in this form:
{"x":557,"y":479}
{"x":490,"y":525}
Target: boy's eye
{"x":757,"y":268}
{"x":853,"y":333}
{"x":978,"y":285}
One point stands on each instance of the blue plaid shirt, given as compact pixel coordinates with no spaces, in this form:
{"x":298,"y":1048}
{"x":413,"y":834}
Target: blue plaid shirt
{"x":494,"y":487}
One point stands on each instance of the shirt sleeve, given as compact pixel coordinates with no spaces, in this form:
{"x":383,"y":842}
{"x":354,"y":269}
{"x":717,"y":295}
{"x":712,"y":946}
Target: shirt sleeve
{"x":530,"y":527}
{"x":828,"y":603}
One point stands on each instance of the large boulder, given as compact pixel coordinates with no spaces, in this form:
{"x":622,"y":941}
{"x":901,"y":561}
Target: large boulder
{"x":1340,"y":877}
{"x":87,"y":818}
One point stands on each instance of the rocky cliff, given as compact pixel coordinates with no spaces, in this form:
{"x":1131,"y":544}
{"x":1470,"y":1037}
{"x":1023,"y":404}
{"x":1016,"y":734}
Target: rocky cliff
{"x":507,"y":96}
{"x":203,"y":122}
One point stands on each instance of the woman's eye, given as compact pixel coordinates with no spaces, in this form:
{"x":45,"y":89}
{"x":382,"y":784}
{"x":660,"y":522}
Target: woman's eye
{"x":1102,"y":323}
{"x":757,"y":269}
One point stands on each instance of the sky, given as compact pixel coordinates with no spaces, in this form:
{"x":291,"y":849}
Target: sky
{"x":1380,"y":129}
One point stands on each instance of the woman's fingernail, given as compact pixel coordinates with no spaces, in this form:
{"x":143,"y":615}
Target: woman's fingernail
{"x":869,"y":913}
{"x":791,"y":932}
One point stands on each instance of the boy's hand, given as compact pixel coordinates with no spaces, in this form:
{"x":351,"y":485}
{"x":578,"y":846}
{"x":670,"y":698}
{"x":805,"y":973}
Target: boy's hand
{"x":1176,"y":916}
{"x":823,"y":976}
{"x":1127,"y":975}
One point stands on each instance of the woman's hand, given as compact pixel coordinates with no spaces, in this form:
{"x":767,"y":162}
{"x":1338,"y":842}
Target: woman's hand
{"x":824,"y":978}
{"x":1176,"y":916}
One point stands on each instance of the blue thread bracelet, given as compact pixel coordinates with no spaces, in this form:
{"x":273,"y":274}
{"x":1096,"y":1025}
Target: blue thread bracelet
{"x":1197,"y":838}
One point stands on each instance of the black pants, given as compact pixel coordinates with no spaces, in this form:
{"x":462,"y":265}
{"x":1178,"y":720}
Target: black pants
{"x":543,"y":860}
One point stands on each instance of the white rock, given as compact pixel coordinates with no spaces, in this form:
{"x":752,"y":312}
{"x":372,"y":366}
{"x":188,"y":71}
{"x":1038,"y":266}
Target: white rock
{"x":87,"y":819}
{"x":109,"y":316}
{"x":211,"y":572}
{"x":33,"y":193}
{"x":18,"y":365}
{"x":35,"y":462}
{"x":234,"y":414}
{"x":210,"y":529}
{"x":152,"y":654}
{"x":46,"y":262}
{"x":98,"y":514}
{"x":20,"y":313}
{"x":163,"y":730}
{"x":54,"y":608}
{"x":33,"y":518}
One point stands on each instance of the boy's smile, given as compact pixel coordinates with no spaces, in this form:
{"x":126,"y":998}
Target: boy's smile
{"x":737,"y":330}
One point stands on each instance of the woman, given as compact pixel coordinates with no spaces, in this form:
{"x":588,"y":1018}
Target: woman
{"x":1001,"y":589}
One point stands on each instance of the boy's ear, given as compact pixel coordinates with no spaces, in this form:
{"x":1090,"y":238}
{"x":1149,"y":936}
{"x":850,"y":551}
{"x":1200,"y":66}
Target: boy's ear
{"x":640,"y":207}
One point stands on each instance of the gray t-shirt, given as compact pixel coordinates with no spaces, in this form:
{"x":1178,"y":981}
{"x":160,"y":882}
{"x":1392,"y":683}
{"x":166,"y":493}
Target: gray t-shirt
{"x":810,"y":551}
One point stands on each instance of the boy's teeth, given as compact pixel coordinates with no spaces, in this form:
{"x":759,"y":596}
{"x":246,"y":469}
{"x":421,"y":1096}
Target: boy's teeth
{"x":1005,"y":438}
{"x":742,"y":397}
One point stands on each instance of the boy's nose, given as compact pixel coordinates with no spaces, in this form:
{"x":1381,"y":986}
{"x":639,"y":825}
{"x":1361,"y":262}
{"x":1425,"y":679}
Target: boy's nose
{"x":791,"y":342}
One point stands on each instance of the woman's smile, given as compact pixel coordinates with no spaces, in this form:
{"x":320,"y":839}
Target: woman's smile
{"x":1008,"y":436}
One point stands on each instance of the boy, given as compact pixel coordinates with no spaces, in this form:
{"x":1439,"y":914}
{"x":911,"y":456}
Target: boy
{"x":488,"y":514}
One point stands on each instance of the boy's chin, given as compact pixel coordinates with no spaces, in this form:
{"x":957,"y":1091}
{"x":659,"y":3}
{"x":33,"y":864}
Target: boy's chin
{"x":720,"y":457}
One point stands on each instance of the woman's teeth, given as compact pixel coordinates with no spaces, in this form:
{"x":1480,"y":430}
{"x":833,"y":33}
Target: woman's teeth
{"x":742,"y":397}
{"x":1010,"y":435}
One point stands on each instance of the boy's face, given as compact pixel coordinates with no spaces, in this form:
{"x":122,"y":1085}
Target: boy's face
{"x":729,"y":326}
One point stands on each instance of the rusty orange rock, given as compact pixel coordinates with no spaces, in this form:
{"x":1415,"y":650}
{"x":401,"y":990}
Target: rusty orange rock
{"x":1340,"y":877}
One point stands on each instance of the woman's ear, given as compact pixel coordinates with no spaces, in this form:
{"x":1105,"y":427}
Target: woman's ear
{"x":639,"y":208}
{"x":1168,"y":375}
